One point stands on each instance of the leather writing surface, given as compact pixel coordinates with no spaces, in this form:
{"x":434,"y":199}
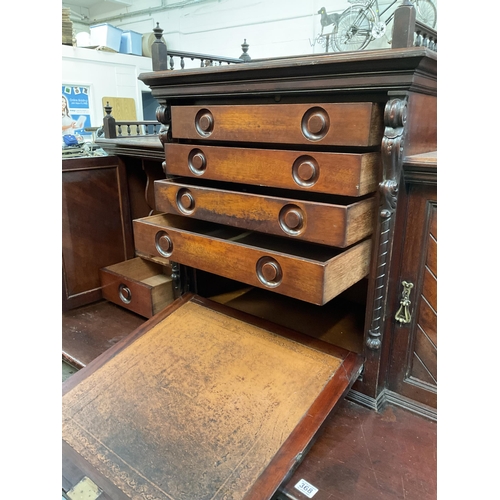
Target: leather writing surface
{"x":196,"y":408}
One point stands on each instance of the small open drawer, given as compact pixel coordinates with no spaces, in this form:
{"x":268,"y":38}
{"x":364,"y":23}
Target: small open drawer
{"x":139,"y":285}
{"x":314,"y":273}
{"x":328,"y":220}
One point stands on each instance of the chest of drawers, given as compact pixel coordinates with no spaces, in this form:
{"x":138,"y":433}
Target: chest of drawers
{"x":302,"y":233}
{"x":284,"y":175}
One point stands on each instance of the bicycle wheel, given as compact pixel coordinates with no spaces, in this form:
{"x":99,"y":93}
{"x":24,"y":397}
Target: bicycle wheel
{"x":354,"y":29}
{"x":426,"y":12}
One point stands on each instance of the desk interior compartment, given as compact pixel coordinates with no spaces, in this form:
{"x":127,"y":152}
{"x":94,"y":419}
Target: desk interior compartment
{"x":139,"y":285}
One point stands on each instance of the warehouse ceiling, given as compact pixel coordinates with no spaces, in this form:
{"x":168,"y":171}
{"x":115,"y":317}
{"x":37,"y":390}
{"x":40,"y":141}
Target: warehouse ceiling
{"x":86,"y":11}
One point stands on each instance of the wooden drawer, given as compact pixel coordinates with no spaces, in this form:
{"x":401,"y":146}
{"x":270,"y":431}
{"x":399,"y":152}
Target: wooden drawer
{"x":314,"y":273}
{"x":138,"y":285}
{"x":347,"y":174}
{"x":317,"y":219}
{"x":333,"y":124}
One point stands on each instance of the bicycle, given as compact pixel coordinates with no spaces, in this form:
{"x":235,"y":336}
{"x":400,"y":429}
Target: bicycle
{"x":361,"y":23}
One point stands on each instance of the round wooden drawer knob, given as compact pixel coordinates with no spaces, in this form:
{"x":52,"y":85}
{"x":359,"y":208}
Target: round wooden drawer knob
{"x":164,"y":244}
{"x":187,"y":201}
{"x":293,"y":219}
{"x":198,"y":161}
{"x":316,"y":123}
{"x":124,"y":293}
{"x":269,"y":272}
{"x":206,"y":122}
{"x":306,"y":171}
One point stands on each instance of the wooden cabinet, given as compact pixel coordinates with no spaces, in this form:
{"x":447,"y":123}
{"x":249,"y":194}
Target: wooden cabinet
{"x":301,"y":183}
{"x":294,"y":185}
{"x":96,"y":225}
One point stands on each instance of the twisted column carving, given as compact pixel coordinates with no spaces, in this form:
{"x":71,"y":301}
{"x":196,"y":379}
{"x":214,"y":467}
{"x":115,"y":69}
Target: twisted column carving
{"x":392,"y":155}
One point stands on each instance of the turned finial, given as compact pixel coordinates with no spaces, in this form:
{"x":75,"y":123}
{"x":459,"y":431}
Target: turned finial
{"x":245,"y":57}
{"x":159,"y":51}
{"x":108,"y":108}
{"x":158,"y":33}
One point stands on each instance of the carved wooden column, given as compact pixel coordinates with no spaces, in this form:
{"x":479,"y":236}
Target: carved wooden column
{"x":392,"y":155}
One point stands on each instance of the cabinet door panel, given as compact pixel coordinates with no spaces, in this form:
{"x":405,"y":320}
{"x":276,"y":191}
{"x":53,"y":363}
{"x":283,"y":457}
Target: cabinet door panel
{"x":413,"y":372}
{"x":96,"y":225}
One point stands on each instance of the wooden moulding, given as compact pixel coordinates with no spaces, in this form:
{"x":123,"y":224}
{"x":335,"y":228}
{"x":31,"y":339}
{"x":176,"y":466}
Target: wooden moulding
{"x":339,"y":124}
{"x":139,"y":285}
{"x":324,"y":221}
{"x":314,"y":273}
{"x":181,"y":410}
{"x":347,"y":174}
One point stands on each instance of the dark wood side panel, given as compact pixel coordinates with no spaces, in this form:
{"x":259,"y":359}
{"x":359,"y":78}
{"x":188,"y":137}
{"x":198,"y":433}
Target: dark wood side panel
{"x":96,"y":225}
{"x":422,"y":125}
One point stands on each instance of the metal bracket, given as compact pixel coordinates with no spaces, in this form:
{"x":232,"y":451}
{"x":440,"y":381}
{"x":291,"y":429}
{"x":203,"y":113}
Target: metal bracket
{"x":403,"y":314}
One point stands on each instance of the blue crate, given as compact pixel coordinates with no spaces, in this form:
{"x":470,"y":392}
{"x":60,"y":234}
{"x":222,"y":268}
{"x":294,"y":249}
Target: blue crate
{"x":106,"y":35}
{"x":131,"y":43}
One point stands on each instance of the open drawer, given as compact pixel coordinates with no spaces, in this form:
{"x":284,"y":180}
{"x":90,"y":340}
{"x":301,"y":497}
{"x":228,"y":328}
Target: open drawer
{"x":346,"y":174}
{"x":328,"y":220}
{"x":139,"y":285}
{"x":340,"y":124}
{"x":201,"y":401}
{"x":314,"y":273}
